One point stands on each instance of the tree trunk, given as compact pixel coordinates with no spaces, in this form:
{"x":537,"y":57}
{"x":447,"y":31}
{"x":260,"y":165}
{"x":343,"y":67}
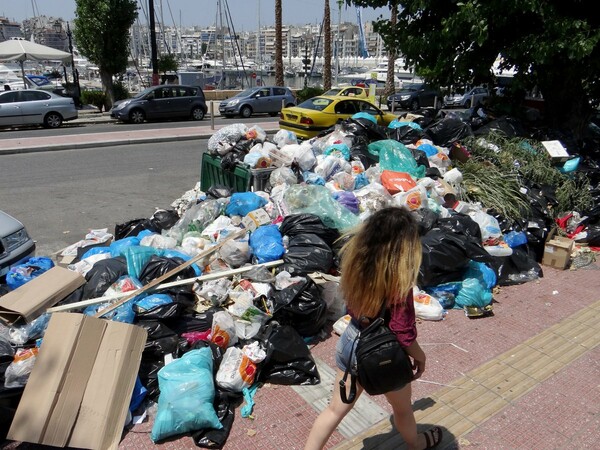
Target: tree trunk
{"x":107,"y":84}
{"x":389,"y":81}
{"x":278,"y":45}
{"x":327,"y":48}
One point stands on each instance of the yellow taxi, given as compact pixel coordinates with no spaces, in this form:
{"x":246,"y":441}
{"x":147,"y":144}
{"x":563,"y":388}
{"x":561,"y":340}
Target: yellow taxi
{"x":348,"y":91}
{"x":316,"y":114}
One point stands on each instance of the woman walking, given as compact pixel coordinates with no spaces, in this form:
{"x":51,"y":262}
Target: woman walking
{"x":380,"y":265}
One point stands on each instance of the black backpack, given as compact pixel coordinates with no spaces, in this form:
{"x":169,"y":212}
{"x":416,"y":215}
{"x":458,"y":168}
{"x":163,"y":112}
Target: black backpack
{"x":382,"y":364}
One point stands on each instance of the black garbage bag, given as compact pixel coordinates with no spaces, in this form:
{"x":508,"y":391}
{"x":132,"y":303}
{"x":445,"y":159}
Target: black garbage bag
{"x":447,"y":131}
{"x":225,"y":404}
{"x":420,"y":157}
{"x":162,"y":312}
{"x":148,"y":374}
{"x":288,"y":360}
{"x":192,"y":322}
{"x":359,"y":151}
{"x":163,"y":219}
{"x":590,"y":236}
{"x":461,"y":224}
{"x":518,"y":268}
{"x":507,"y":126}
{"x":133,"y":228}
{"x":302,"y":307}
{"x":405,"y":134}
{"x":307,"y":253}
{"x":426,"y":218}
{"x":157,"y":266}
{"x":219,"y":191}
{"x":364,"y":127}
{"x":84,"y":249}
{"x":104,"y":273}
{"x":230,"y":161}
{"x":161,"y":340}
{"x":296,"y":224}
{"x":446,"y":255}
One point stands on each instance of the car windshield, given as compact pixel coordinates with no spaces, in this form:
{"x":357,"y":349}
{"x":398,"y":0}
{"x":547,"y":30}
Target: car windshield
{"x":245,"y":93}
{"x":411,"y":86}
{"x":316,"y":103}
{"x":333,"y":92}
{"x":144,"y":92}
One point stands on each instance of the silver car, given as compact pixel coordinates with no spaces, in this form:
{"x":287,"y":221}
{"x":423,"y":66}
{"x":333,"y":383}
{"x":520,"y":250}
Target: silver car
{"x":466,"y":99}
{"x":15,"y":244}
{"x":35,"y":107}
{"x":267,"y":99}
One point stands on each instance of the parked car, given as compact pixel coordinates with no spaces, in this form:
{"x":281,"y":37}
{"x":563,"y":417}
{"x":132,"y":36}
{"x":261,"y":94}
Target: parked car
{"x":316,"y":114}
{"x":266,"y":99}
{"x":413,"y":96}
{"x":162,"y":102}
{"x":466,"y":98}
{"x":35,"y":107}
{"x":15,"y":243}
{"x":348,"y":91}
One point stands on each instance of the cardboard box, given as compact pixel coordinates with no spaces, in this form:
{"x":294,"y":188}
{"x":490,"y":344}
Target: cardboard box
{"x":556,"y":151}
{"x":33,"y":298}
{"x":557,"y":252}
{"x":80,"y":387}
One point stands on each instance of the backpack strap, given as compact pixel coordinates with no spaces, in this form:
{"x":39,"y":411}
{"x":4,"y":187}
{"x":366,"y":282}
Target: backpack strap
{"x":349,"y":398}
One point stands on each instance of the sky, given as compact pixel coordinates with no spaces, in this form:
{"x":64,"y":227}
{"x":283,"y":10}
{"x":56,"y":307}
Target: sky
{"x":244,"y":13}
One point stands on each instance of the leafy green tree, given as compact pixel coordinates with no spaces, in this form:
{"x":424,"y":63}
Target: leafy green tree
{"x":552,"y":45}
{"x":167,"y":63}
{"x":102,"y":35}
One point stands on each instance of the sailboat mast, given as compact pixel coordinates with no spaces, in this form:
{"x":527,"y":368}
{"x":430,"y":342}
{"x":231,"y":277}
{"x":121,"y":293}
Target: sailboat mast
{"x":222,"y":43}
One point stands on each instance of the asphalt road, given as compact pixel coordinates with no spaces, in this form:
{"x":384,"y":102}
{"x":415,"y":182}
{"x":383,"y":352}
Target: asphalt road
{"x":60,"y":195}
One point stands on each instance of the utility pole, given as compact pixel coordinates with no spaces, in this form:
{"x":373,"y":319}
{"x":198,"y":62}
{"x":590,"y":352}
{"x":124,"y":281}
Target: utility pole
{"x":155,"y":77}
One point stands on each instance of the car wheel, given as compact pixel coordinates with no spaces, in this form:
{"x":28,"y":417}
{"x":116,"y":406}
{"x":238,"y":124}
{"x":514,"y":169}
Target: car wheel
{"x":197,"y":113}
{"x":414,"y":105}
{"x":53,"y":120}
{"x":137,"y":116}
{"x":245,"y":112}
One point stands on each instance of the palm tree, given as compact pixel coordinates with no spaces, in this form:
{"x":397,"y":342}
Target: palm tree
{"x":389,"y":82}
{"x":327,"y":48}
{"x":278,"y":44}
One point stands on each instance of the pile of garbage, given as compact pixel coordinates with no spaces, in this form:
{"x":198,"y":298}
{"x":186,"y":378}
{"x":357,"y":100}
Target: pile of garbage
{"x":230,"y":286}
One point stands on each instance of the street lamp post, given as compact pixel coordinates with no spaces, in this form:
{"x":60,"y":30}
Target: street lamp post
{"x":58,"y":29}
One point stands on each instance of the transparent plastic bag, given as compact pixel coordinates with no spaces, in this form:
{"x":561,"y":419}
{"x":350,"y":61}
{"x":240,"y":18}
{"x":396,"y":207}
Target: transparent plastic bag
{"x":17,"y":373}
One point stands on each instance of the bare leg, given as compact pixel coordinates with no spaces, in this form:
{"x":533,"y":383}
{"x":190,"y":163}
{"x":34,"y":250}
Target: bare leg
{"x":330,"y":417}
{"x":404,"y":417}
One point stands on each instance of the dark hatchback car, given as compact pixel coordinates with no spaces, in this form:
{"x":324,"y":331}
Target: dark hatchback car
{"x":413,"y":96}
{"x":162,"y":102}
{"x":266,"y":99}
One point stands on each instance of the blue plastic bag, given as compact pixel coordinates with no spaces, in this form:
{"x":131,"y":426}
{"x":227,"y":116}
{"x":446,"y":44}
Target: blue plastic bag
{"x":364,"y":115}
{"x":399,"y":124}
{"x":138,"y":395}
{"x":152,"y":301}
{"x":360,"y":181}
{"x":170,"y":253}
{"x":124,"y":313}
{"x":312,"y":178}
{"x":339,"y":150}
{"x":95,"y":251}
{"x":137,"y":257}
{"x":515,"y":238}
{"x":430,"y":150}
{"x":394,"y":156}
{"x":473,"y":293}
{"x":187,"y":392}
{"x":348,"y":199}
{"x":241,"y":203}
{"x":22,"y":273}
{"x":266,"y":243}
{"x":118,"y":247}
{"x":482,"y":272}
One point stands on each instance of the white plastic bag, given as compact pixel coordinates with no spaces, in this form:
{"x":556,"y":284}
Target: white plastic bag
{"x":236,"y":371}
{"x":428,"y":307}
{"x":222,"y":331}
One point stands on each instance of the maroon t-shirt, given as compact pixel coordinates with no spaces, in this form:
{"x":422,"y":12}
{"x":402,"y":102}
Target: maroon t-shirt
{"x":403,"y":321}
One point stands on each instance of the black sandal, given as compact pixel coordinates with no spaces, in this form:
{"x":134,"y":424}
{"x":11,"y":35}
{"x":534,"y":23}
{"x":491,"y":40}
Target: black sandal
{"x":433,"y":437}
